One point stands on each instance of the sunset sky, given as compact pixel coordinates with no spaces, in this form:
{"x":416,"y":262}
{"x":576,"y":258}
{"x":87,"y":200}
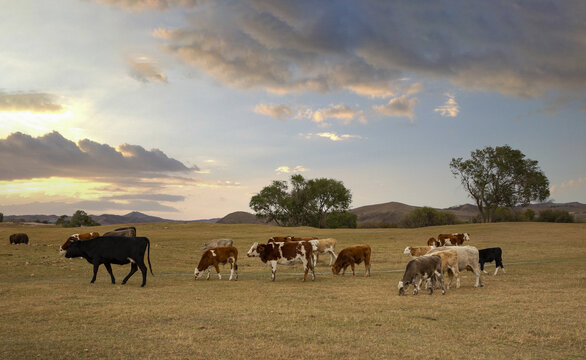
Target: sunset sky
{"x":184,"y":109}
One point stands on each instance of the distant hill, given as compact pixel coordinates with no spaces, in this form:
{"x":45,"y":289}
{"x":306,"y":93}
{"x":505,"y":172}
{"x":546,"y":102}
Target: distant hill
{"x":240,"y":217}
{"x":134,"y":217}
{"x":390,"y":213}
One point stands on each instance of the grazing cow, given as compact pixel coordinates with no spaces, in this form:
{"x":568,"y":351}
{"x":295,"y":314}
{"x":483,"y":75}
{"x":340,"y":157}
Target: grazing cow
{"x":452,"y":239}
{"x":467,"y":260}
{"x":291,"y":238}
{"x":285,"y":253}
{"x":109,"y":250}
{"x":129,"y":231}
{"x":19,"y":238}
{"x":77,"y":237}
{"x":214,"y":257}
{"x":217,"y":242}
{"x":417,"y":251}
{"x":322,"y":247}
{"x":490,"y":255}
{"x":350,"y":256}
{"x":422,"y":268}
{"x":449,"y":258}
{"x":280,"y":238}
{"x":433,"y":242}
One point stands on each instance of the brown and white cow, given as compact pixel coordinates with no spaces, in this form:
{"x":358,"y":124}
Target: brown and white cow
{"x":350,"y":256}
{"x":285,"y":253}
{"x":433,"y":242}
{"x":214,"y":257}
{"x":291,"y":238}
{"x":453,"y":239}
{"x":417,"y":250}
{"x":77,"y":237}
{"x":324,"y":246}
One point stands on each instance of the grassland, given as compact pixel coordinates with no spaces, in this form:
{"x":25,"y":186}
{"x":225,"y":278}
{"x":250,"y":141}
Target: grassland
{"x":534,"y":311}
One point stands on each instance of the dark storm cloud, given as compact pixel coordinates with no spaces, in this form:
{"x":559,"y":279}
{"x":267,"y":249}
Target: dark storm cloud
{"x":23,"y":156}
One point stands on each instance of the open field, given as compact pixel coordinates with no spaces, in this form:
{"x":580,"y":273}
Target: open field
{"x":534,"y":311}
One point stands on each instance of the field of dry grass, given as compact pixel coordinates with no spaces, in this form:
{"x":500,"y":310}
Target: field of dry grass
{"x":534,"y":311}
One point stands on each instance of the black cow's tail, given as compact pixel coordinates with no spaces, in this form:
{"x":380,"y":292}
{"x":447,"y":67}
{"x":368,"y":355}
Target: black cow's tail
{"x":149,"y":255}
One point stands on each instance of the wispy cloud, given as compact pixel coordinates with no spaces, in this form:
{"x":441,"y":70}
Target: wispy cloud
{"x":30,"y":102}
{"x":145,"y":69}
{"x":332,"y":136}
{"x":279,"y":112}
{"x":450,"y":108}
{"x":149,"y":4}
{"x":402,"y":106}
{"x":287,"y":169}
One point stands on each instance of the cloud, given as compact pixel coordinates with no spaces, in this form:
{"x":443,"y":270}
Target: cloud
{"x":146,"y":70}
{"x":149,"y":4}
{"x":338,"y":112}
{"x":450,"y":108}
{"x":402,"y":106}
{"x":279,"y":112}
{"x":30,"y":102}
{"x":287,"y":170}
{"x":332,"y":136}
{"x":25,"y":157}
{"x":566,"y":186}
{"x":369,"y":47}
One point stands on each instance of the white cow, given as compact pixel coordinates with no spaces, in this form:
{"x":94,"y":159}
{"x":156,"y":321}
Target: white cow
{"x":467,"y":260}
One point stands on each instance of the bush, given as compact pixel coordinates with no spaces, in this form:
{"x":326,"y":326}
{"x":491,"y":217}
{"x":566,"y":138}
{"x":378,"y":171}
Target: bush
{"x":427,"y":216}
{"x":341,"y":219}
{"x":559,"y":216}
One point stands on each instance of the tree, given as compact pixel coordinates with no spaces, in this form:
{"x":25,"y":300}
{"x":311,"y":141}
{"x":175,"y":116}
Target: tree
{"x":80,"y":218}
{"x":500,"y":176}
{"x":427,"y":216}
{"x":308,"y":203}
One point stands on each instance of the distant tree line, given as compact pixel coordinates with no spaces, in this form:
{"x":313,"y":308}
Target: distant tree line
{"x":80,"y":218}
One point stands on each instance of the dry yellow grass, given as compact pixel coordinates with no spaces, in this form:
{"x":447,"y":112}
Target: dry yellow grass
{"x":534,"y":311}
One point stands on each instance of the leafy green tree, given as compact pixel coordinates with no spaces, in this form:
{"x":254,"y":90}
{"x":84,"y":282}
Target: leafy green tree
{"x":341,"y":219}
{"x":80,"y":218}
{"x":308,"y":203}
{"x":500,"y":176}
{"x":530,"y":214}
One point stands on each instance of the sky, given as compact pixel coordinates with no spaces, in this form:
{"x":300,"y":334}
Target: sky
{"x":185,"y":109}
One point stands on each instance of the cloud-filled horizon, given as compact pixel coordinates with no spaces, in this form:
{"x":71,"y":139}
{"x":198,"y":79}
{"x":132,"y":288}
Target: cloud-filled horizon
{"x":189,"y":107}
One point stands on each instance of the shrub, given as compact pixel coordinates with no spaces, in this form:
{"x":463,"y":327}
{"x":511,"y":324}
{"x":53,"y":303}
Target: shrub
{"x":427,"y":216}
{"x":341,"y":219}
{"x":559,"y":216}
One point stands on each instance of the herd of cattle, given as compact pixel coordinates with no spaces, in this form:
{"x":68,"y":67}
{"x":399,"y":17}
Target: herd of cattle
{"x":446,"y":254}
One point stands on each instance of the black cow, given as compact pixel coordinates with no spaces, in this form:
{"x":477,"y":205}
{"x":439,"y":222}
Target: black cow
{"x":489,"y":255}
{"x":109,"y":250}
{"x":19,"y":238}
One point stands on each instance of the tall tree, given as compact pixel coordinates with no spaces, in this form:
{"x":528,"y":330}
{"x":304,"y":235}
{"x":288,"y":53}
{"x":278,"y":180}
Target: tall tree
{"x":308,"y":202}
{"x":500,"y":176}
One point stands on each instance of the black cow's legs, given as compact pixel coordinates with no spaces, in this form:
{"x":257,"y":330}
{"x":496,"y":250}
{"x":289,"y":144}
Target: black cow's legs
{"x":96,"y":266}
{"x":109,"y":268}
{"x":133,"y":268}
